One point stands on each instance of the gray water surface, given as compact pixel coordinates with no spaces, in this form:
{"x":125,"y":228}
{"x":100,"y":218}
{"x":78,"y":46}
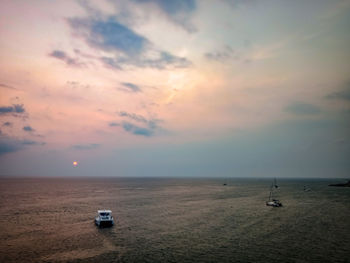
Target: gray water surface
{"x":173,"y":220}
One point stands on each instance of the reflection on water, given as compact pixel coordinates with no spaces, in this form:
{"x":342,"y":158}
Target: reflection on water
{"x":172,"y":220}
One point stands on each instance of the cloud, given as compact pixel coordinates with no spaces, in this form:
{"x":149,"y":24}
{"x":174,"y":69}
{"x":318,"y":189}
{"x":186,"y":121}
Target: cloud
{"x":28,"y":129}
{"x":238,"y":3}
{"x":218,"y":56}
{"x":7,"y":86}
{"x":61,"y":55}
{"x":85,"y":146}
{"x":177,"y":11}
{"x":173,"y":7}
{"x":15,"y":108}
{"x":18,"y":108}
{"x":9,"y":144}
{"x":137,"y":130}
{"x":341,"y":95}
{"x":133,"y":116}
{"x":8,"y":124}
{"x":109,"y":35}
{"x":111,"y":62}
{"x":162,"y":60}
{"x":29,"y":142}
{"x":151,"y":125}
{"x":300,"y":108}
{"x":125,"y":47}
{"x":221,"y":55}
{"x":130,"y":87}
{"x":113,"y":124}
{"x":169,"y":59}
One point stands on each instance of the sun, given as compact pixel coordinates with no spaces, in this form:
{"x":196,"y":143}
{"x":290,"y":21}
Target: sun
{"x":75,"y":163}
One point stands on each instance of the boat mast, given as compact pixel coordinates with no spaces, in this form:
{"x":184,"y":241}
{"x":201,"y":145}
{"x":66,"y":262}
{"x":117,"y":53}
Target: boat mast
{"x":271,"y":188}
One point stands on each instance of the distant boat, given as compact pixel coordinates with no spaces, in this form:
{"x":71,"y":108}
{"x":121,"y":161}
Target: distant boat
{"x":104,"y":218}
{"x":272,"y":200}
{"x":306,"y":188}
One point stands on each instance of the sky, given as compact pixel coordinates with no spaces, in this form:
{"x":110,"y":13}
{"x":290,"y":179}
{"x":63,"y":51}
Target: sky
{"x":226,"y":88}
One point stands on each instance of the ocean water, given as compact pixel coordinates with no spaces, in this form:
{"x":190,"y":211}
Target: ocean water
{"x":173,"y":220}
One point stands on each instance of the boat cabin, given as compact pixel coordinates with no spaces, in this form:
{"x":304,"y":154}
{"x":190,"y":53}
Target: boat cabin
{"x":104,"y":218}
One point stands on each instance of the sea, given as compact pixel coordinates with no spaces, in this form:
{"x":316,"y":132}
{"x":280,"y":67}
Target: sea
{"x":173,"y":220}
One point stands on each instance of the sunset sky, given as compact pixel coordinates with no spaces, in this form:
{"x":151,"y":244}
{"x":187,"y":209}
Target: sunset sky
{"x":175,"y":88}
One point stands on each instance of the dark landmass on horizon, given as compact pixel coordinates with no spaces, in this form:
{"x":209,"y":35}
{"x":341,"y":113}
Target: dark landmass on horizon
{"x":341,"y":185}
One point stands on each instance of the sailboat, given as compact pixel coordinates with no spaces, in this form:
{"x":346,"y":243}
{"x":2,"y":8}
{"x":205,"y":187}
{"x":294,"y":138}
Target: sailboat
{"x":272,"y":201}
{"x":306,"y":188}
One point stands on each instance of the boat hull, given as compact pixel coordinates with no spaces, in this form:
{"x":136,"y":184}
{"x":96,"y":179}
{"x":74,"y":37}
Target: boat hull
{"x":104,"y":223}
{"x":274,"y":203}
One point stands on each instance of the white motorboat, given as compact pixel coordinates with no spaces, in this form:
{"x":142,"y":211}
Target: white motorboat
{"x":104,"y":218}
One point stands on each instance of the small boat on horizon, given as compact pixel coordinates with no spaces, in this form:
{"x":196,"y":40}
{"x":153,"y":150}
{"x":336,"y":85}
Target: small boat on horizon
{"x":104,"y":218}
{"x":306,"y":188}
{"x":272,"y":201}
